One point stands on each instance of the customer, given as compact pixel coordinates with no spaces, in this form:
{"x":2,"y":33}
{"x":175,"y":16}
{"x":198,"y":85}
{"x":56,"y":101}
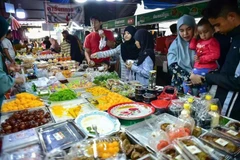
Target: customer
{"x":47,"y":43}
{"x":224,"y":15}
{"x":8,"y":49}
{"x":75,"y":50}
{"x":6,"y":81}
{"x":180,"y":57}
{"x":126,"y":50}
{"x":171,"y":38}
{"x":146,"y":58}
{"x":65,"y":47}
{"x":92,"y":41}
{"x":54,"y":45}
{"x":208,"y":52}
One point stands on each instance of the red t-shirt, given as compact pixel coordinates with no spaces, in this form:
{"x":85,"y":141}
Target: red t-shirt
{"x":92,"y":43}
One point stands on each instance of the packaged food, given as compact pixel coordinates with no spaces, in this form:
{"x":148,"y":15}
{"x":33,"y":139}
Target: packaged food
{"x":60,"y":135}
{"x":234,"y":125}
{"x":130,"y":146}
{"x":31,"y":152}
{"x":158,"y":140}
{"x":19,"y":140}
{"x":194,"y":148}
{"x":103,"y":148}
{"x":228,"y":133}
{"x":219,"y":142}
{"x":170,"y":152}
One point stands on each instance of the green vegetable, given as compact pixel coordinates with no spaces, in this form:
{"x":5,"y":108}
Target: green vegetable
{"x":102,"y":79}
{"x":90,"y":130}
{"x":63,"y":95}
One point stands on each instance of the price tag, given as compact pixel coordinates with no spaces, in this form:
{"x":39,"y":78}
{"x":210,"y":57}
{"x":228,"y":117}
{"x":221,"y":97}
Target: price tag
{"x":58,"y":136}
{"x":232,"y":132}
{"x":221,"y":142}
{"x":194,"y":149}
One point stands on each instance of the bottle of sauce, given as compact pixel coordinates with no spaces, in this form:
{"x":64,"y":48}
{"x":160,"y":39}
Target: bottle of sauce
{"x":214,"y":115}
{"x":185,"y":116}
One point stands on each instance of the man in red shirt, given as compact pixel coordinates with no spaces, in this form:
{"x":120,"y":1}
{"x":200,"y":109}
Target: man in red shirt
{"x":92,"y":42}
{"x":171,"y":38}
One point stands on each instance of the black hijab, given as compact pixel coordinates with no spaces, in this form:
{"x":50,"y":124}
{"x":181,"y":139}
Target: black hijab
{"x":128,"y":48}
{"x":146,"y":42}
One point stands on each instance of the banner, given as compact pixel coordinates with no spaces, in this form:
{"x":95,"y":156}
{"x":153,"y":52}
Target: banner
{"x":63,"y":13}
{"x":194,"y":10}
{"x":121,"y":22}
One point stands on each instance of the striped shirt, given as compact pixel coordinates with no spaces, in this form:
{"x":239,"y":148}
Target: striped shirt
{"x":65,"y":47}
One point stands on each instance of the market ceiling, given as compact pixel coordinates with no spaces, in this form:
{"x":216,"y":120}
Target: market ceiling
{"x":106,"y":10}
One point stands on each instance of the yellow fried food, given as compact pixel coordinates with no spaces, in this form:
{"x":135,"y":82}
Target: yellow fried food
{"x":60,"y":111}
{"x":22,"y":101}
{"x":108,"y":99}
{"x":104,"y":149}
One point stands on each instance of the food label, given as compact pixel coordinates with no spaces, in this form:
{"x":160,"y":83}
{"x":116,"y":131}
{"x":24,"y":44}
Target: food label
{"x":221,"y":142}
{"x":209,"y":148}
{"x":179,"y":157}
{"x":232,"y":132}
{"x":21,"y":135}
{"x":58,"y":136}
{"x":194,"y":149}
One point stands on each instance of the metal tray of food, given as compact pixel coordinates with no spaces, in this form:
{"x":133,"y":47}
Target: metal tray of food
{"x":141,"y":131}
{"x":33,"y":152}
{"x":25,"y":119}
{"x":20,"y":139}
{"x":60,"y":135}
{"x":69,"y":110}
{"x":222,"y":144}
{"x":194,"y":148}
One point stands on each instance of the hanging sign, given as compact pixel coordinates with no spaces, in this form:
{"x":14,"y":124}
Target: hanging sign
{"x":63,"y":13}
{"x":121,"y":22}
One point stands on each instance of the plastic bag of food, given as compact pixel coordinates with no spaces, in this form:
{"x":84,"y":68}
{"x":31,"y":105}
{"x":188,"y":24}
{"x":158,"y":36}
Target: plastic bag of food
{"x":158,"y":140}
{"x":175,"y":132}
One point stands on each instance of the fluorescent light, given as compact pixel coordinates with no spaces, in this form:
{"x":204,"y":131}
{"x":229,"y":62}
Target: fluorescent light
{"x":80,"y":1}
{"x":110,"y":0}
{"x":120,"y":0}
{"x":20,"y":13}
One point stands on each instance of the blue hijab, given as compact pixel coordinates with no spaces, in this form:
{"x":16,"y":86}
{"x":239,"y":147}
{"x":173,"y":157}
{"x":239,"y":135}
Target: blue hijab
{"x":179,"y":51}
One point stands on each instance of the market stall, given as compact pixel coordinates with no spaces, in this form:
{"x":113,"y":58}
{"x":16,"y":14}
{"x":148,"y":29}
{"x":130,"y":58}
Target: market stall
{"x":91,"y":114}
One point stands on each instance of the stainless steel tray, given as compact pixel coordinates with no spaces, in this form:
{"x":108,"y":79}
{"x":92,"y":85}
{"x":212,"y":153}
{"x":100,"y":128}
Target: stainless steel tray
{"x":59,"y":135}
{"x":141,"y":131}
{"x":45,"y":109}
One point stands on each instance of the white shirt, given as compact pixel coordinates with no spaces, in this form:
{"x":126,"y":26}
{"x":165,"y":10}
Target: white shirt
{"x":6,"y":44}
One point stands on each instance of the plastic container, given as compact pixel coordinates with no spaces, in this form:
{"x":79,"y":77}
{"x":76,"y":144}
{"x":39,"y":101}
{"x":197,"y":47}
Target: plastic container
{"x":195,"y":149}
{"x":102,"y":148}
{"x":19,"y":140}
{"x":234,"y":125}
{"x":172,"y":152}
{"x":176,"y":107}
{"x":229,"y":133}
{"x":221,"y":143}
{"x":158,"y":140}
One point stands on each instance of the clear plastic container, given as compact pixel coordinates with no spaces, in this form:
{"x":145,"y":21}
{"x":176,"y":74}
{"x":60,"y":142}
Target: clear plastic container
{"x":221,"y":143}
{"x":104,"y":148}
{"x":214,"y":115}
{"x":172,"y":152}
{"x":195,"y":149}
{"x":229,"y":133}
{"x":158,"y":140}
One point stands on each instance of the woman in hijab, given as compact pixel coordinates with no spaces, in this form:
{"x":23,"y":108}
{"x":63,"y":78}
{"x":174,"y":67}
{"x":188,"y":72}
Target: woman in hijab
{"x":6,"y":81}
{"x":54,"y":45}
{"x":180,"y":57}
{"x":146,"y":58}
{"x":127,"y":50}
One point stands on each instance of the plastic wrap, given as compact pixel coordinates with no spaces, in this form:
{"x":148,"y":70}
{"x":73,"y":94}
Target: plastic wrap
{"x":172,"y":152}
{"x":60,"y":136}
{"x":103,"y":148}
{"x":195,"y":149}
{"x":229,"y":133}
{"x":221,"y":143}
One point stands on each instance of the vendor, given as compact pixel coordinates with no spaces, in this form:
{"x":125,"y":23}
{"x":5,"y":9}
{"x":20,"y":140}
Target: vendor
{"x":146,"y":57}
{"x":225,"y":17}
{"x":6,"y":81}
{"x":180,"y":57}
{"x":55,"y":47}
{"x":127,"y":50}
